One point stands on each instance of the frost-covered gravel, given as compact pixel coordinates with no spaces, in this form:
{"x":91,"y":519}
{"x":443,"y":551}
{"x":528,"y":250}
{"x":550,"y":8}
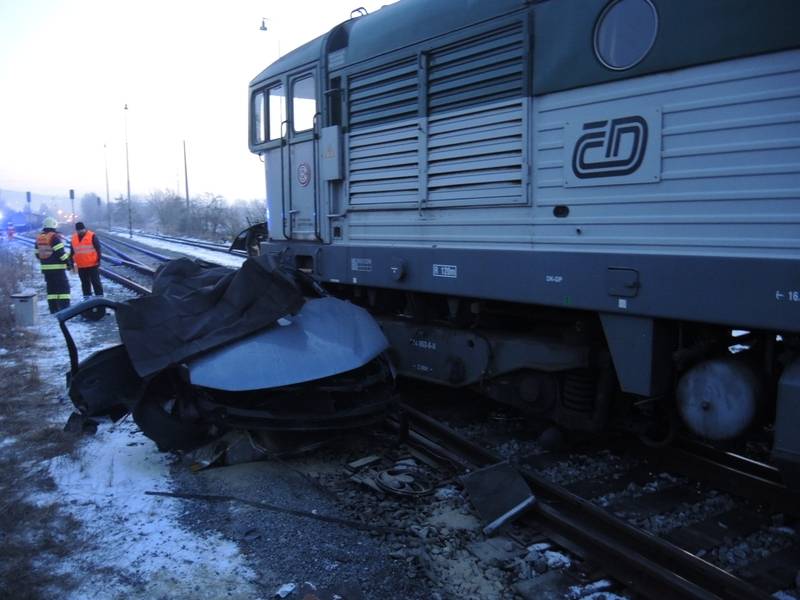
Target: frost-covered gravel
{"x":755,"y":546}
{"x":585,"y":466}
{"x":686,"y":514}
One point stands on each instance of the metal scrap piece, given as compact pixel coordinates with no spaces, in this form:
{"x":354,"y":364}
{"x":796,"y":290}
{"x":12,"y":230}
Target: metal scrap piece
{"x":499,"y":494}
{"x":363,"y":462}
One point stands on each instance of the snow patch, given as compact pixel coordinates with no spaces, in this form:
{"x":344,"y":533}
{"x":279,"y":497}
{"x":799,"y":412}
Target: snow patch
{"x":137,"y":535}
{"x":540,"y":547}
{"x":580,"y":591}
{"x":285,"y":590}
{"x":557,"y":560}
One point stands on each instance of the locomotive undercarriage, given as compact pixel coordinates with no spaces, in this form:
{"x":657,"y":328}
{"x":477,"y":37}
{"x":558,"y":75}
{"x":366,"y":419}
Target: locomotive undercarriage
{"x":720,"y":384}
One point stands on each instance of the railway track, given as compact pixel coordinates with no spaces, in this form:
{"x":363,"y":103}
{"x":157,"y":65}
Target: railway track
{"x":188,"y":242}
{"x":676,"y":562}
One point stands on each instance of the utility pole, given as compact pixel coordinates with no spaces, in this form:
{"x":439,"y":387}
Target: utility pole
{"x":128,"y":173}
{"x":186,"y":188}
{"x":108,"y":197}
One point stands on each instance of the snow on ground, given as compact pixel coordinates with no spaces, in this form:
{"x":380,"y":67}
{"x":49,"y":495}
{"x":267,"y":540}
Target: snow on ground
{"x":577,"y":592}
{"x":212,"y":256}
{"x":137,"y":546}
{"x":136,"y":535}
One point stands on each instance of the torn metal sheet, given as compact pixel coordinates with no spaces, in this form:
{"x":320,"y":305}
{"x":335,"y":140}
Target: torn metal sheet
{"x":499,"y":494}
{"x":328,"y":336}
{"x":356,"y":465}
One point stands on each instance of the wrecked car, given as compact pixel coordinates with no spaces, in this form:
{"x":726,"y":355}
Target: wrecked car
{"x":214,"y":349}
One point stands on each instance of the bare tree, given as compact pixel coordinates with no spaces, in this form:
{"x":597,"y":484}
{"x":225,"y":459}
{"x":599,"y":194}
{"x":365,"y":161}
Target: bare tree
{"x":168,"y":212}
{"x":91,"y":210}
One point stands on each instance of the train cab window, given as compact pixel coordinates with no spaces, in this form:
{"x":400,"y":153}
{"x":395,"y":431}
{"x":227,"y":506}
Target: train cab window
{"x":625,"y":33}
{"x":304,"y":104}
{"x":277,"y":111}
{"x":259,"y":119}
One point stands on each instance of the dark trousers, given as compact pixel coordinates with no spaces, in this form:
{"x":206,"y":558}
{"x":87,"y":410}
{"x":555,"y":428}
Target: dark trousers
{"x":57,"y":289}
{"x":90,"y":278}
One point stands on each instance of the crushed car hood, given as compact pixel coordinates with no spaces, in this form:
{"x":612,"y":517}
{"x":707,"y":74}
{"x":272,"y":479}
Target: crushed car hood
{"x":327,"y":336}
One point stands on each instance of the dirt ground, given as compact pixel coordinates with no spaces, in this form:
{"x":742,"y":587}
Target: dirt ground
{"x":32,"y":535}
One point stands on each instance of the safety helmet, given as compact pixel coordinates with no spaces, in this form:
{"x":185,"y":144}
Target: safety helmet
{"x":49,"y":223}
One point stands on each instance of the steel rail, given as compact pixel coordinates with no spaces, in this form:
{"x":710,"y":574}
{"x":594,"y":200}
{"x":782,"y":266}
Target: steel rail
{"x":635,"y":557}
{"x":731,"y":459}
{"x":145,"y":251}
{"x":195,"y":243}
{"x":124,"y":281}
{"x":128,"y":259}
{"x":729,"y":472}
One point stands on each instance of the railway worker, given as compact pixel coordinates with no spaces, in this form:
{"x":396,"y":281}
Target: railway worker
{"x":55,"y":260}
{"x":87,"y":255}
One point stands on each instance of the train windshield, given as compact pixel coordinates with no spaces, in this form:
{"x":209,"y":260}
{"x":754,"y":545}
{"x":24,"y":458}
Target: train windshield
{"x":259,"y":122}
{"x":277,"y":111}
{"x":304,"y":103}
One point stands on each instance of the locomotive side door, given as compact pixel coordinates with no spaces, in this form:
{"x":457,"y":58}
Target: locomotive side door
{"x":301,"y":176}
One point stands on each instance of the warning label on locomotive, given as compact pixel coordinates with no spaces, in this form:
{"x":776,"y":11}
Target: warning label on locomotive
{"x":363,"y":265}
{"x":449,"y":271}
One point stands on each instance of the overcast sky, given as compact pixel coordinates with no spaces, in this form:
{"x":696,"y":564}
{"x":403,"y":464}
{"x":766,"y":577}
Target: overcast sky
{"x":67,"y":68}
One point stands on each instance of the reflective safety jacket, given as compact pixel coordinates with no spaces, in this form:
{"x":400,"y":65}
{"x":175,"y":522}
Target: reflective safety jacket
{"x":84,"y":250}
{"x":50,"y":251}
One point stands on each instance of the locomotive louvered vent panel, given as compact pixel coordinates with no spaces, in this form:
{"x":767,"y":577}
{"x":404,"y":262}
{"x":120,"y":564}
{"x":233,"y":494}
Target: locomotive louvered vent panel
{"x":385,"y":95}
{"x":476,"y":120}
{"x":384,"y":138}
{"x":480,"y":71}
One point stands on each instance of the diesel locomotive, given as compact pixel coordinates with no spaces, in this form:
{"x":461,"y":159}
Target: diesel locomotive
{"x":586,"y":209}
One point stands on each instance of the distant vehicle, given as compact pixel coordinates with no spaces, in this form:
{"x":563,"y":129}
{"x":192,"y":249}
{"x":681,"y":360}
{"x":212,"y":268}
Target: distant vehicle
{"x":589,"y":210}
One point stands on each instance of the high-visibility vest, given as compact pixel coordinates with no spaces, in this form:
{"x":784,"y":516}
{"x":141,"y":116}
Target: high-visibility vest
{"x":50,"y":250}
{"x":83,"y":250}
{"x":44,"y":245}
